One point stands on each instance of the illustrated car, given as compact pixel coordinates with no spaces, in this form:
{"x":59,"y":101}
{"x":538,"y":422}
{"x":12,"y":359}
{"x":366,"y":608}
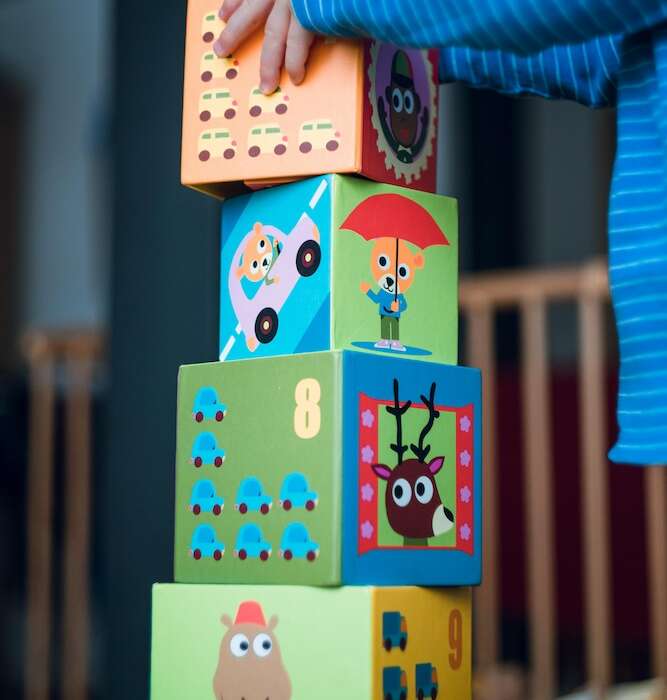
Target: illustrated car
{"x":394,"y":631}
{"x":214,"y":67}
{"x":426,"y":681}
{"x":318,"y":134}
{"x":205,"y":544}
{"x":296,"y":544}
{"x":207,"y":405}
{"x":394,"y":683}
{"x":215,"y":104}
{"x":216,"y":143}
{"x":251,"y":497}
{"x":212,"y":25}
{"x":204,"y":499}
{"x":275,"y":103}
{"x":250,"y":543}
{"x":299,"y":257}
{"x":268,"y":138}
{"x":294,"y":493}
{"x":206,"y":451}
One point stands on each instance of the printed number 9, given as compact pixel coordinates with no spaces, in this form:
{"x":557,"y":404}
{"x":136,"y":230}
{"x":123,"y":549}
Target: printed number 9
{"x":307,"y":411}
{"x":455,"y":639}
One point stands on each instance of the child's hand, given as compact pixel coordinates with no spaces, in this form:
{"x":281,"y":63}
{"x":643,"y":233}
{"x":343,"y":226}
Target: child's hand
{"x":394,"y":306}
{"x":285,"y":40}
{"x":364,"y":286}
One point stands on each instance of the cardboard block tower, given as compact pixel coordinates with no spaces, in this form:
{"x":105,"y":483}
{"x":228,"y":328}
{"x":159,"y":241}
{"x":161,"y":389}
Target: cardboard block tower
{"x":328,"y":463}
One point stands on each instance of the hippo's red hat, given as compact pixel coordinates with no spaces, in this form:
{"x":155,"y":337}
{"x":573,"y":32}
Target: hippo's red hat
{"x":250,"y":613}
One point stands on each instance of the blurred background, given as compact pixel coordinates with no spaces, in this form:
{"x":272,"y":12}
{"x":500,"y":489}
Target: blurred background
{"x":109,"y":281}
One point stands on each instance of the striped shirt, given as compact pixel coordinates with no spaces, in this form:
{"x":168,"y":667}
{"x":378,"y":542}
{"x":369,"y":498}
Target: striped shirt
{"x":599,"y":53}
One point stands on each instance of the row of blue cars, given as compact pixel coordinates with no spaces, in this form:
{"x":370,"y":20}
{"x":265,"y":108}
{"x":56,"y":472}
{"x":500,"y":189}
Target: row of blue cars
{"x":295,"y":543}
{"x":251,"y":498}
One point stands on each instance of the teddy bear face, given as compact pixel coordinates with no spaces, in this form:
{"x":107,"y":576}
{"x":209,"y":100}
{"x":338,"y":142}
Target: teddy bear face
{"x":257,"y":256}
{"x":390,"y":277}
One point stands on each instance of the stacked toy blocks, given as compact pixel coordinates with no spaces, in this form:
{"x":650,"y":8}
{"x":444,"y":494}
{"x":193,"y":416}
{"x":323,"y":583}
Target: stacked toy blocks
{"x":330,"y":462}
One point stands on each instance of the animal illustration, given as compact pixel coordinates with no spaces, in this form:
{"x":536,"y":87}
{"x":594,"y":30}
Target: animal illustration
{"x":393,"y":266}
{"x":413,"y":505}
{"x":407,"y":126}
{"x":250,"y":666}
{"x":259,"y":257}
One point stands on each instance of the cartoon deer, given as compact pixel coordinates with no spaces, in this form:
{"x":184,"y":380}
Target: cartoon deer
{"x":414,"y":507}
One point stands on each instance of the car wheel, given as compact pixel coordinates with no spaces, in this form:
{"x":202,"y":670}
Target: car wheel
{"x":229,"y":153}
{"x":305,"y":147}
{"x":243,"y":508}
{"x":204,"y":156}
{"x":310,"y":505}
{"x":255,"y":111}
{"x":205,"y":115}
{"x":434,"y":693}
{"x":311,"y":556}
{"x":206,"y":76}
{"x":388,"y":696}
{"x":263,"y":555}
{"x":197,"y":554}
{"x":332,"y":145}
{"x":281,"y":108}
{"x":402,"y":696}
{"x":217,"y":509}
{"x":287,"y":505}
{"x":420,"y":694}
{"x":217,"y":555}
{"x":231,"y":74}
{"x":266,"y":325}
{"x":196,"y":509}
{"x":198,"y":462}
{"x":264,"y":508}
{"x":208,"y":37}
{"x":403,"y":643}
{"x":280,"y":149}
{"x":219,"y":415}
{"x":254,"y":151}
{"x":308,"y":258}
{"x":243,"y":555}
{"x":218,"y":461}
{"x":387,"y":644}
{"x":288,"y":554}
{"x":230,"y":113}
{"x":199,"y":416}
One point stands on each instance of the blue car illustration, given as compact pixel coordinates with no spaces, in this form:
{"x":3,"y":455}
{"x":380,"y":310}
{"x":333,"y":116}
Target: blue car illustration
{"x":207,"y":406}
{"x":206,"y":544}
{"x":204,"y":499}
{"x":206,"y":451}
{"x":250,"y":543}
{"x":251,"y":497}
{"x":294,"y":493}
{"x":296,"y":544}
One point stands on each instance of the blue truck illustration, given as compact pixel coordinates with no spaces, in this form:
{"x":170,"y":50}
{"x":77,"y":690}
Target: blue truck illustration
{"x":394,"y":683}
{"x":426,"y":681}
{"x":207,"y":406}
{"x":394,"y":631}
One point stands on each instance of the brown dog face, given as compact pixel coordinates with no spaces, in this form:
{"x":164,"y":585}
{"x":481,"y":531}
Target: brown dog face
{"x":257,"y":256}
{"x":383,"y":265}
{"x":404,"y":102}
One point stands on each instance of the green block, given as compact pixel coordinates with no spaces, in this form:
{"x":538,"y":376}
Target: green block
{"x":284,"y":642}
{"x":287,"y":472}
{"x":337,"y":262}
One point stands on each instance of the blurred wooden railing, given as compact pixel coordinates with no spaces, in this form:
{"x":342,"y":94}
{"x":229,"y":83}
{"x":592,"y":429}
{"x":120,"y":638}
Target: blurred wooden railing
{"x":67,"y":361}
{"x":481,"y":297}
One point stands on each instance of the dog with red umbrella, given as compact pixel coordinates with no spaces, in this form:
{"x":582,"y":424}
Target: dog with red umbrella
{"x":392,"y":221}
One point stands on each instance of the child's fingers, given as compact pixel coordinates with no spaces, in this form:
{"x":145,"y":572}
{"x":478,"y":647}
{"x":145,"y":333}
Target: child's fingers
{"x":228,"y":8}
{"x":273,"y":48}
{"x":299,"y":41}
{"x":248,"y":16}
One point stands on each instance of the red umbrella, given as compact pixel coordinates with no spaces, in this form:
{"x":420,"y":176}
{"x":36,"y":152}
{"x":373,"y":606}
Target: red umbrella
{"x":395,"y":216}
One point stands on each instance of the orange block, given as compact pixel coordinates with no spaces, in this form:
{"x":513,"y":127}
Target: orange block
{"x":365,"y":107}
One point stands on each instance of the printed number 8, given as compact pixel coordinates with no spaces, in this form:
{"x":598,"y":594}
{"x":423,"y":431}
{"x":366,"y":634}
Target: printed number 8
{"x":307,"y":411}
{"x":455,"y":639}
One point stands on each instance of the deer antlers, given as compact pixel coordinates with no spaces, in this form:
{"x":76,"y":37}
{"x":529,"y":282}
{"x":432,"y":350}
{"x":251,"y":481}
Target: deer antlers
{"x":420,"y":451}
{"x":397,"y":410}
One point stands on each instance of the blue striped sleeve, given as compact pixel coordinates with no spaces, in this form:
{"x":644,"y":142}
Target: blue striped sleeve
{"x":520,"y":26}
{"x":585,"y":72}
